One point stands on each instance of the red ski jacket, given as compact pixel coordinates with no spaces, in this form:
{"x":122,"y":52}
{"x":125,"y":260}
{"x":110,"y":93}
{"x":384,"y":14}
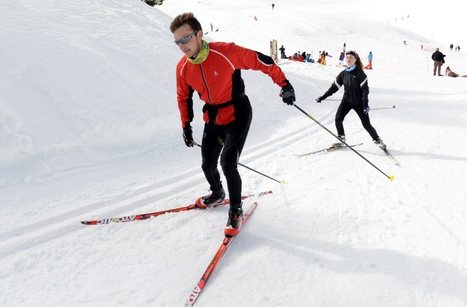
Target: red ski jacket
{"x":218,"y":82}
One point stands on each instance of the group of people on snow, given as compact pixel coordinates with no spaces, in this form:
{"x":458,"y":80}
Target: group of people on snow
{"x":213,"y":70}
{"x":438,"y":61}
{"x":301,"y":57}
{"x":323,"y":55}
{"x":457,"y":48}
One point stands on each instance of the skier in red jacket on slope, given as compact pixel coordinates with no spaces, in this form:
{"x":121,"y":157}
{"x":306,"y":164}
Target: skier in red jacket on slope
{"x":214,"y":71}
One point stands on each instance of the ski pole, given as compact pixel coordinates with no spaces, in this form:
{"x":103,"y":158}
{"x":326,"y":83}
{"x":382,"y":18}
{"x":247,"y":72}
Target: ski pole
{"x":384,"y":108}
{"x":251,"y":169}
{"x":321,"y":125}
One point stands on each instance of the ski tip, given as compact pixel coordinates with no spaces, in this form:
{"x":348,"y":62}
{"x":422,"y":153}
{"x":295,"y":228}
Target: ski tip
{"x":392,"y":178}
{"x":283,"y":181}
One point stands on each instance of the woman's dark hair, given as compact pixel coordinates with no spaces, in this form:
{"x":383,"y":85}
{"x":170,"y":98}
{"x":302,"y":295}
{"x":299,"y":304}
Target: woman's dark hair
{"x":358,"y":63}
{"x":185,"y":18}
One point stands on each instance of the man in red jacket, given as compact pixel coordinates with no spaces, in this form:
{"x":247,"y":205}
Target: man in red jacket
{"x":214,"y":71}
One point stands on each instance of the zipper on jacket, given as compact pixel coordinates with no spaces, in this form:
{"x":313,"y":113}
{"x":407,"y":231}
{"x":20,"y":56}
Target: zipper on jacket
{"x":205,"y":82}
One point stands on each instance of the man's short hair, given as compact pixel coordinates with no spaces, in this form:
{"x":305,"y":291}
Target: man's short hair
{"x":185,"y":18}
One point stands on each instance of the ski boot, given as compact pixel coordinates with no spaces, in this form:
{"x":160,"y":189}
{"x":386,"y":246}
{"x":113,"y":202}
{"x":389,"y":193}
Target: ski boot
{"x":339,"y":144}
{"x":379,"y":143}
{"x":234,"y":223}
{"x":215,"y":198}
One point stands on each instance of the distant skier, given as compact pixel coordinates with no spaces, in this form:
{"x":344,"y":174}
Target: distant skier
{"x":370,"y":61}
{"x":438,"y":59}
{"x":451,"y":46}
{"x":322,"y":58}
{"x":282,"y":49}
{"x":341,"y":58}
{"x":355,"y":97}
{"x":214,"y":71}
{"x":272,"y":5}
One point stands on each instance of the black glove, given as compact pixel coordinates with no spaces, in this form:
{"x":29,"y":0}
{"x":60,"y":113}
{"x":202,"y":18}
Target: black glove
{"x":188,"y":135}
{"x":287,"y":93}
{"x":366,"y":107}
{"x":319,"y":99}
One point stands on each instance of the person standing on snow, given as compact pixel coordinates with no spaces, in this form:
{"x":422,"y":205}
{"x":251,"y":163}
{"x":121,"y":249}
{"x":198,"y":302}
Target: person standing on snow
{"x":214,"y":71}
{"x":341,"y":58}
{"x":355,"y":97}
{"x":282,"y":49}
{"x":438,"y":59}
{"x":370,"y":61}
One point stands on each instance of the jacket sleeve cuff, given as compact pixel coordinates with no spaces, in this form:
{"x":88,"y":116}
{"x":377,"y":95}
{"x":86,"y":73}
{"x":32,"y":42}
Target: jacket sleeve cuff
{"x":283,"y":83}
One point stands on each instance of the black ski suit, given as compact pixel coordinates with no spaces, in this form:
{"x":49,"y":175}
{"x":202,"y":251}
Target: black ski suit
{"x":355,"y":98}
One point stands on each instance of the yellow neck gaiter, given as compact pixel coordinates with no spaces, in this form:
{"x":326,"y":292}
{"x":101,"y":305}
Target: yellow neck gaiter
{"x":202,"y":54}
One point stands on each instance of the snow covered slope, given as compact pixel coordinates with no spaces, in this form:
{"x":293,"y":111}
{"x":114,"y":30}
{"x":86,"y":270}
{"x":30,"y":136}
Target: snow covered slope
{"x":82,"y":84}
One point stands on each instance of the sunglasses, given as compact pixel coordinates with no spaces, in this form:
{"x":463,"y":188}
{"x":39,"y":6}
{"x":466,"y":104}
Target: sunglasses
{"x":185,"y":39}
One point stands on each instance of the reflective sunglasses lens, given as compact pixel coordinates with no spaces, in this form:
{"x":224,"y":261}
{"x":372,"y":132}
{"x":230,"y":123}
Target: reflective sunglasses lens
{"x":184,"y":39}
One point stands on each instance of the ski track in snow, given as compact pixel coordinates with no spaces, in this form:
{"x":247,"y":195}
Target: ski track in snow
{"x":31,"y":235}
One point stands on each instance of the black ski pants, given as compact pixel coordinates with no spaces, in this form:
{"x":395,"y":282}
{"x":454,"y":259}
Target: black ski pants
{"x":344,"y":109}
{"x":227,"y":142}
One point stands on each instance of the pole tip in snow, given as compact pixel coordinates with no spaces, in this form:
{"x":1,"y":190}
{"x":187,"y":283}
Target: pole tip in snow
{"x":392,"y":178}
{"x":283,"y":181}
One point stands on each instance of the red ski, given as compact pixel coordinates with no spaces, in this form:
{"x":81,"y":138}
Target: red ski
{"x":144,"y":216}
{"x":215,"y":261}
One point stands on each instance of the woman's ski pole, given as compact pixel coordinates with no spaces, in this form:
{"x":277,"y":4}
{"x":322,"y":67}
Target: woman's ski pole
{"x":316,"y":121}
{"x":384,"y":108}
